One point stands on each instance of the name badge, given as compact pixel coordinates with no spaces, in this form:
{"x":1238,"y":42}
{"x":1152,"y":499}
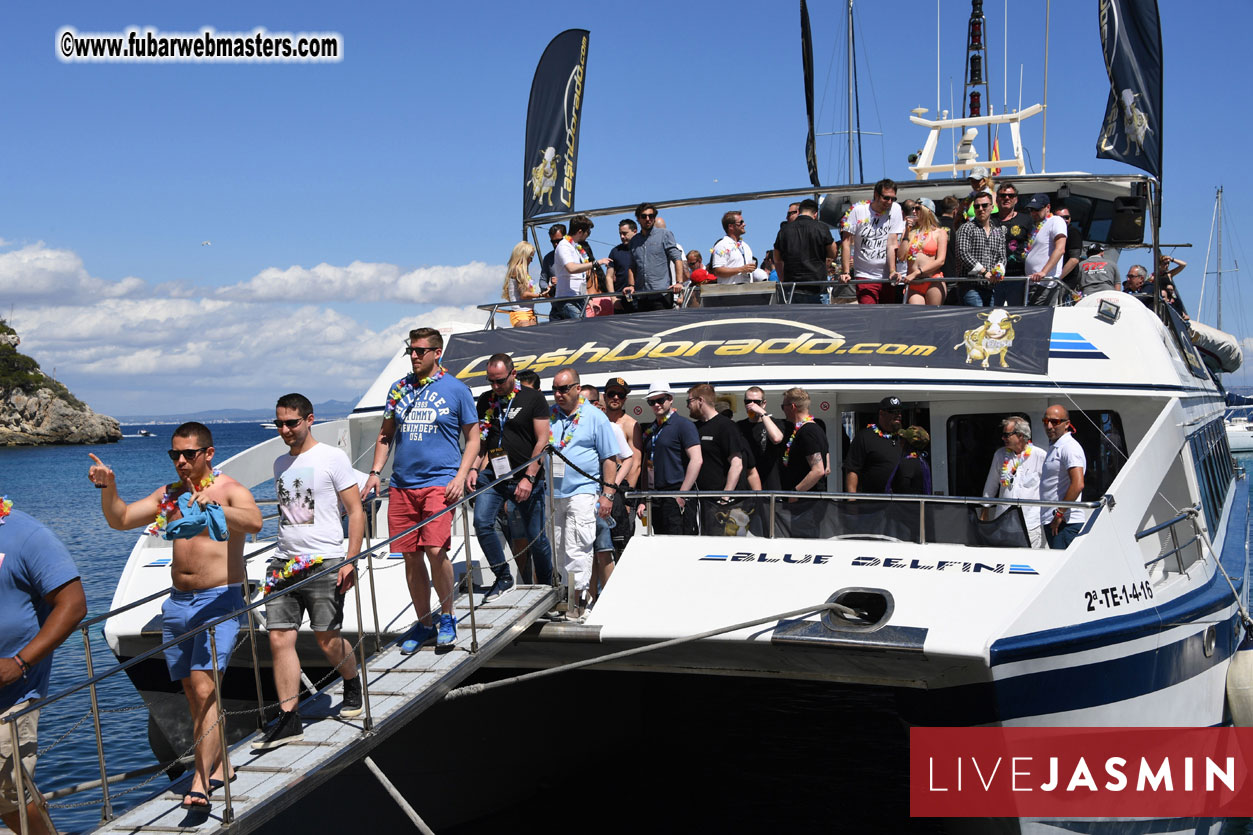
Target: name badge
{"x":559,"y":468}
{"x":500,"y":463}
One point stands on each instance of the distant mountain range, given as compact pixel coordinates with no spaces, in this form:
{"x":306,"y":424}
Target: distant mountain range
{"x":330,"y":410}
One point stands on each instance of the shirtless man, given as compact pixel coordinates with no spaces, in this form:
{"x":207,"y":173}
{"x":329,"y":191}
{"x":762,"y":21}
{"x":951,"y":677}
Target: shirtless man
{"x":616,"y":391}
{"x":207,"y":573}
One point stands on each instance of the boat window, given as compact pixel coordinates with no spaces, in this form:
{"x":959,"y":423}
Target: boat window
{"x":975,"y":438}
{"x":1211,"y":456}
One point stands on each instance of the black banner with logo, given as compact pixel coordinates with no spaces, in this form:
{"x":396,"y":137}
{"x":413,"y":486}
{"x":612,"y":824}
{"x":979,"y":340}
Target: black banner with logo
{"x":1131,"y":36}
{"x":807,"y":61}
{"x":995,"y":339}
{"x":552,"y":126}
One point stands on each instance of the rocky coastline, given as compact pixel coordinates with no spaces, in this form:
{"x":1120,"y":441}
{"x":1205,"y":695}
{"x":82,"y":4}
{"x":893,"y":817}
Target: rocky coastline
{"x":37,"y":410}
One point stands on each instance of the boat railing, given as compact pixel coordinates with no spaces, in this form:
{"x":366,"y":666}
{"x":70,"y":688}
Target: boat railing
{"x":954,"y":520}
{"x":1189,"y":514}
{"x":93,"y":678}
{"x":784,"y":293}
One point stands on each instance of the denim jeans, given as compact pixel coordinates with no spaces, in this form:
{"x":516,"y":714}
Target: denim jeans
{"x":1012,"y":293}
{"x":487,"y":506}
{"x":566,"y":310}
{"x":977,"y":297}
{"x":1065,"y":535}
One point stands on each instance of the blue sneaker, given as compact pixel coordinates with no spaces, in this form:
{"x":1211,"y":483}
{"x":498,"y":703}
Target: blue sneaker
{"x":415,"y":638}
{"x":447,"y":632}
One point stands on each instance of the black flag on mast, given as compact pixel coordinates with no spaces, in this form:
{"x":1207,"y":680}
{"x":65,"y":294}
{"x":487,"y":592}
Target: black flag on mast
{"x":552,"y":126}
{"x":1131,"y":36}
{"x":807,"y":59}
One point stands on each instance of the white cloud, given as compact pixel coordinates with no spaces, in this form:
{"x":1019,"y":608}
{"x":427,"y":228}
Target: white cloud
{"x":361,"y":281}
{"x":37,"y":273}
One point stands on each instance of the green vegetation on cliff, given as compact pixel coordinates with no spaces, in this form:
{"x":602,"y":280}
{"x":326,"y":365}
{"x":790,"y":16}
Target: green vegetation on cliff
{"x":20,"y":372}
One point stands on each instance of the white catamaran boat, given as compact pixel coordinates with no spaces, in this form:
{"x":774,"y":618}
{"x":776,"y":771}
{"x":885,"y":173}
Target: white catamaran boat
{"x":938,"y":615}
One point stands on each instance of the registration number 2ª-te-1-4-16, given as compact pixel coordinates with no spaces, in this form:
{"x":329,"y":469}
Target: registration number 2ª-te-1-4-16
{"x":1113,"y":596}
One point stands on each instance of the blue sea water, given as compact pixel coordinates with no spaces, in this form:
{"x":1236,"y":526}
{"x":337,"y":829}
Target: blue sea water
{"x":51,"y":484}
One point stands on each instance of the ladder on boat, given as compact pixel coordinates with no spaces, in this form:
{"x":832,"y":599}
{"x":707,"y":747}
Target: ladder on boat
{"x":400,"y":688}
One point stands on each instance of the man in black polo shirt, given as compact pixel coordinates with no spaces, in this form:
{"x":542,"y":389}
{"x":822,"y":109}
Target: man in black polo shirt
{"x":875,"y":451}
{"x":801,"y":251}
{"x":671,"y":446}
{"x":722,"y":460}
{"x":513,"y":427}
{"x":762,"y":436}
{"x":803,"y":463}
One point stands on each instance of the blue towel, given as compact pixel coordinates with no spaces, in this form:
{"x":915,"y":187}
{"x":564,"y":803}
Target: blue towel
{"x":196,"y":519}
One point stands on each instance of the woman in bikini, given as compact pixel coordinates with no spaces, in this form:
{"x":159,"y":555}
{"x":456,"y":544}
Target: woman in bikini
{"x":518,"y":285}
{"x":924,"y":245}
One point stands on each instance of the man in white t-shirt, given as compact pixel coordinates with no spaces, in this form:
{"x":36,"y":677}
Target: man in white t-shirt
{"x":1015,"y":474}
{"x":1045,"y":249}
{"x":571,"y":265}
{"x":1062,"y":480}
{"x":869,"y":235}
{"x":313,"y":481}
{"x":732,"y":260}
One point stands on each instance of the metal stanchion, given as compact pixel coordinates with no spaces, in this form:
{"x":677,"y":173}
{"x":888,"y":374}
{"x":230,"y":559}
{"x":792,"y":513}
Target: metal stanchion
{"x":106,"y":810}
{"x":367,"y":726}
{"x":922,"y":523}
{"x":774,"y":501}
{"x":256,"y":663}
{"x":228,"y":814}
{"x":552,"y":515}
{"x":19,"y":778}
{"x":465,"y":537}
{"x":648,"y":513}
{"x":374,"y":601}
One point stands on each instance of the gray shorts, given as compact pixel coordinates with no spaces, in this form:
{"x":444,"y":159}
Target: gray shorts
{"x":27,"y":739}
{"x":319,"y":598}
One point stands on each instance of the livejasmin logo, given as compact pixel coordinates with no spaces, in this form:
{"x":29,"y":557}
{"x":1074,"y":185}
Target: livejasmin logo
{"x":1069,"y":772}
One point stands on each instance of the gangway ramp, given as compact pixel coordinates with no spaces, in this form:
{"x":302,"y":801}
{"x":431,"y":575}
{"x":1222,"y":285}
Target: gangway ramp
{"x":401,"y":687}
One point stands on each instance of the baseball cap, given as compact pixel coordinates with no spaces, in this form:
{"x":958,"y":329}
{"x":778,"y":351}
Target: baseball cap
{"x":617,"y":384}
{"x":1038,"y":201}
{"x":927,"y":203}
{"x":979,"y":173}
{"x":915,"y":437}
{"x":660,"y":388}
{"x":890,"y":404}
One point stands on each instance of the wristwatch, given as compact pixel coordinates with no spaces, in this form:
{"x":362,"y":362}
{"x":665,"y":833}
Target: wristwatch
{"x":529,"y":477}
{"x":375,"y":472}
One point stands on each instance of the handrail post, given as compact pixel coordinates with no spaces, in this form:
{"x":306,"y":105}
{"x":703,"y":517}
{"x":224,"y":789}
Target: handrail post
{"x":648,"y":512}
{"x":374,"y":599}
{"x":922,"y":522}
{"x":552,"y":531}
{"x":228,"y":814}
{"x":18,"y":778}
{"x":256,"y":662}
{"x":465,"y":537}
{"x":362,"y":662}
{"x":773,"y":501}
{"x":1174,"y":538}
{"x":106,"y":809}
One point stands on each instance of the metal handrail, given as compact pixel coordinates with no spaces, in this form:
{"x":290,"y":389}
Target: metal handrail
{"x":1187,"y":512}
{"x":493,"y":308}
{"x":889,"y":497}
{"x":126,"y":665}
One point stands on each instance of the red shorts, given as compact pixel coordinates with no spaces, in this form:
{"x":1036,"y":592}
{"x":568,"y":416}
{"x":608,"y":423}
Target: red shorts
{"x":406,"y":508}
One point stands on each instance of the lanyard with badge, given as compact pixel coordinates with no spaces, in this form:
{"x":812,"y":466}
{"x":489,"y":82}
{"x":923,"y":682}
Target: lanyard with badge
{"x":499,"y":410}
{"x":559,"y":464}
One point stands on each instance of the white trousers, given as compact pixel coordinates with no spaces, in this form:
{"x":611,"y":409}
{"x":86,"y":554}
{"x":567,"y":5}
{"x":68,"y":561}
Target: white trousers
{"x":574,"y":527}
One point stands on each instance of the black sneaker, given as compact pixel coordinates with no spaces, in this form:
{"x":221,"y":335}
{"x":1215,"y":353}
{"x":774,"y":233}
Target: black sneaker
{"x":503,"y":583}
{"x":286,"y":729}
{"x":351,"y":706}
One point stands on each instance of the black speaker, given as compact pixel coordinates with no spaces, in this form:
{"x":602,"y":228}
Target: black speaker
{"x":1127,"y":225}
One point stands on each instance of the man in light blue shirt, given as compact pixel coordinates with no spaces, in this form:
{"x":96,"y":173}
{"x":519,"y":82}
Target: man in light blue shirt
{"x":583,"y":435}
{"x":652,"y":251}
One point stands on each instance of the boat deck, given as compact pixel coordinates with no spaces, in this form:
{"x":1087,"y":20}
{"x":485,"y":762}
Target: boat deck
{"x":401,"y":687}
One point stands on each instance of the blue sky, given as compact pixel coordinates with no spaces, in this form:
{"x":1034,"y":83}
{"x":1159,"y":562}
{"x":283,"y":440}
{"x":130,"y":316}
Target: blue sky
{"x":348,"y":202}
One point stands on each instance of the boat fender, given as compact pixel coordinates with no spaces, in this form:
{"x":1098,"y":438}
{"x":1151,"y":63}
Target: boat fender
{"x":1240,"y":685}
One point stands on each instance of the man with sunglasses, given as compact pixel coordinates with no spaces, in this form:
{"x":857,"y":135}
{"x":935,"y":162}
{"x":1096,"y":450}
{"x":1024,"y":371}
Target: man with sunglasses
{"x":653,"y":250}
{"x":1061,"y":480}
{"x":981,"y":251}
{"x":513,"y":427}
{"x":426,"y":411}
{"x":762,"y":436}
{"x":313,"y":481}
{"x":585,"y":439}
{"x":1045,"y":250}
{"x":1015,"y":474}
{"x":1017,"y":228}
{"x":616,"y":391}
{"x":206,"y":515}
{"x":869,"y":235}
{"x":671,"y":446}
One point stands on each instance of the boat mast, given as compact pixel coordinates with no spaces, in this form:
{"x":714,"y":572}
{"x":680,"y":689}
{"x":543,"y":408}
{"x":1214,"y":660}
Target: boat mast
{"x":851,"y":93}
{"x":1220,"y":258}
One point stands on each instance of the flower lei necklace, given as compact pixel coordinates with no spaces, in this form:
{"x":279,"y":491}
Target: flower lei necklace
{"x":578,"y":413}
{"x":654,"y":428}
{"x":874,"y":427}
{"x":1031,"y":239}
{"x":489,"y":417}
{"x":845,"y":226}
{"x":6,"y":507}
{"x":583,"y":259}
{"x":294,"y":566}
{"x":168,"y":503}
{"x":1008,"y":472}
{"x":796,"y":430}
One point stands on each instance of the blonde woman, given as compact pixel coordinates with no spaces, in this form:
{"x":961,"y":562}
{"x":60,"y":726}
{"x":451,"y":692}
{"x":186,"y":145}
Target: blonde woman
{"x":518,"y":285}
{"x":925,"y":246}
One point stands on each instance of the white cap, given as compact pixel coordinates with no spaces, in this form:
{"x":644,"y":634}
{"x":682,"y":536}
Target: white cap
{"x":660,"y":388}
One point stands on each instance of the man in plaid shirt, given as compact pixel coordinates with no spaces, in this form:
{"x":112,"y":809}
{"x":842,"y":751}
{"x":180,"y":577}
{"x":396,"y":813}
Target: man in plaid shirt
{"x":981,"y":251}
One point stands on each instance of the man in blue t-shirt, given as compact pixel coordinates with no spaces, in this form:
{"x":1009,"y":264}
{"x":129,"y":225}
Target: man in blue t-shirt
{"x":672,"y":446}
{"x":425,"y":412}
{"x":41,"y":601}
{"x":584,"y":436}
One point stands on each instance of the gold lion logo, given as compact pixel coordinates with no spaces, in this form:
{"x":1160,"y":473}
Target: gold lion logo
{"x":994,"y":336}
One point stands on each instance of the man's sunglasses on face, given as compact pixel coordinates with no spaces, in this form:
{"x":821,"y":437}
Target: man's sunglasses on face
{"x":188,"y":455}
{"x":289,"y":424}
{"x":563,"y":389}
{"x":658,"y":401}
{"x":418,"y":351}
